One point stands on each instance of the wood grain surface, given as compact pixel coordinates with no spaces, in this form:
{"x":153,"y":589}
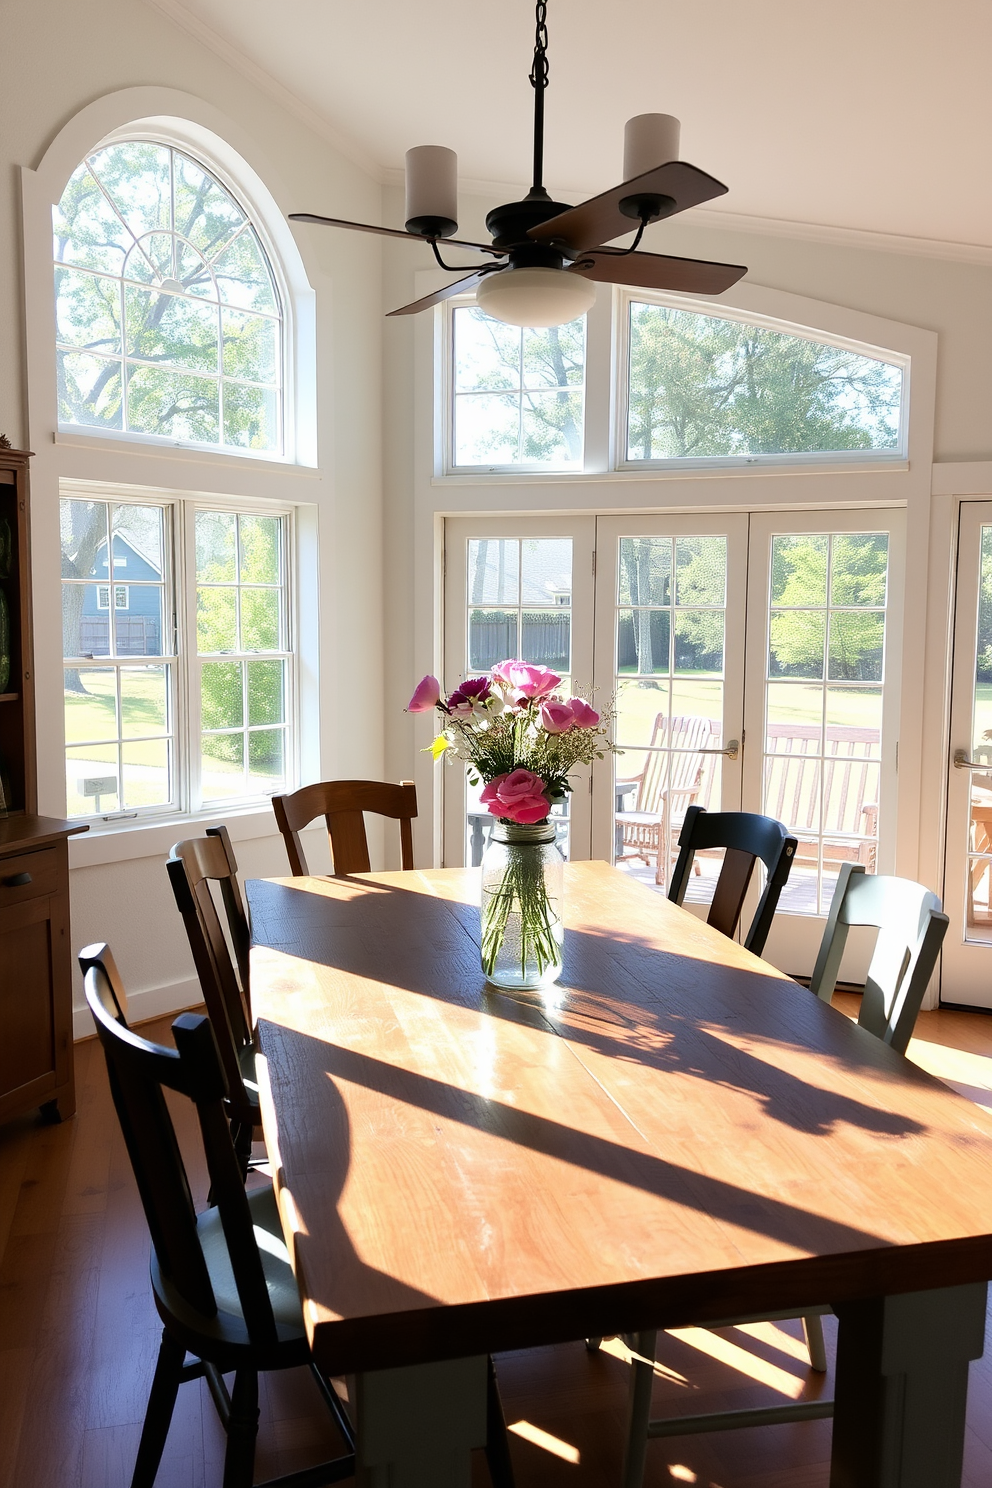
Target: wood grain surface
{"x":674,"y":1133}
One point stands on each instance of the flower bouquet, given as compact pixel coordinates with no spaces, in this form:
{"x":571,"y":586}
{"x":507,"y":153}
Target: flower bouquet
{"x":520,"y":738}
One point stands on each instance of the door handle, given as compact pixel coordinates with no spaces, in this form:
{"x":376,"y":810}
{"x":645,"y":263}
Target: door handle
{"x":732,"y":750}
{"x":17,"y":880}
{"x":962,"y":762}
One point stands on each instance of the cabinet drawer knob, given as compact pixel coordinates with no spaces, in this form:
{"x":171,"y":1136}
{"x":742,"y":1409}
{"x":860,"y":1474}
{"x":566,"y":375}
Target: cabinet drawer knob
{"x":17,"y":880}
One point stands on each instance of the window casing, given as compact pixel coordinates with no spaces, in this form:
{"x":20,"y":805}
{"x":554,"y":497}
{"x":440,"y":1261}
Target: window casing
{"x":186,"y":698}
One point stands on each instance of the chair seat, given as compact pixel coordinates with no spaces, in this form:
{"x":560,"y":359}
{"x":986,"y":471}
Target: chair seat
{"x":227,"y":1331}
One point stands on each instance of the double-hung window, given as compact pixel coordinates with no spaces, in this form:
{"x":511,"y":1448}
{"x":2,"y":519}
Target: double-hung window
{"x":179,"y":683}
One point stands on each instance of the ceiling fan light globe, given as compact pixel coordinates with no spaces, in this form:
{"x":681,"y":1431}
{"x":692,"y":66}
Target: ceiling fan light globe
{"x":535,"y":297}
{"x":649,"y":140}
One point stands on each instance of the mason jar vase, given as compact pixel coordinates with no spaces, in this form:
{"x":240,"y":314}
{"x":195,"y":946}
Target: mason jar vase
{"x":523,"y":883}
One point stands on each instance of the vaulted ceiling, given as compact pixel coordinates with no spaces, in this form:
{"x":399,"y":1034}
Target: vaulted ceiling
{"x":865,"y":114}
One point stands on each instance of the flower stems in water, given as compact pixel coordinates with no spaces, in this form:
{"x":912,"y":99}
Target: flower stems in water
{"x":521,"y":889}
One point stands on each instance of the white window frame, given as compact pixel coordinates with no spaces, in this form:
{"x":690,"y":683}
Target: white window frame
{"x":838,"y":459}
{"x":180,"y":591}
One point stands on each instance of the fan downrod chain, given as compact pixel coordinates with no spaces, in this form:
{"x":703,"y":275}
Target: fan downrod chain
{"x":539,"y":82}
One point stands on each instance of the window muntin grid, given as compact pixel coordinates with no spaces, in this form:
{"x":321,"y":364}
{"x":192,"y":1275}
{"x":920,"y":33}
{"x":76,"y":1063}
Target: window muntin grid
{"x":168,"y":317}
{"x":518,"y":604}
{"x":242,"y":642}
{"x":824,"y":683}
{"x":669,"y":681}
{"x":119,"y":665}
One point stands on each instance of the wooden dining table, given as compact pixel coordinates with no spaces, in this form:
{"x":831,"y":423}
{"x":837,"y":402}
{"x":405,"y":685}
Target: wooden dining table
{"x":675,"y":1133}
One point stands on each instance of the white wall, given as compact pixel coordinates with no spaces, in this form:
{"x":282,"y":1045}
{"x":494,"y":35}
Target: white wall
{"x":61,"y":58}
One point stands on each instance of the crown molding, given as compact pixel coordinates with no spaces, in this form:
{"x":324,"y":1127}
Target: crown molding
{"x":175,"y":11}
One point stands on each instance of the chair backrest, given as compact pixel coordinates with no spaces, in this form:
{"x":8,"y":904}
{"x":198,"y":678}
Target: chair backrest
{"x":746,"y":837}
{"x":341,"y":804}
{"x":192,"y":866}
{"x":139,"y":1072}
{"x":678,"y":766}
{"x":911,"y":927}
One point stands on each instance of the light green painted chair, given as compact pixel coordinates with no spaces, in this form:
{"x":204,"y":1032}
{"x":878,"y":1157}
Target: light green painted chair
{"x":910,"y":928}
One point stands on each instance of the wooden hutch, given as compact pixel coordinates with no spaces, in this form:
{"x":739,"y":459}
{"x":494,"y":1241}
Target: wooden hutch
{"x":35,"y":951}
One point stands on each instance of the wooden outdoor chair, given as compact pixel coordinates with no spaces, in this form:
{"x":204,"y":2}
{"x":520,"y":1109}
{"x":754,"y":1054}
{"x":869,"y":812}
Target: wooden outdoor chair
{"x":746,"y":838}
{"x":193,"y":866}
{"x":229,"y":1301}
{"x":850,"y":787}
{"x":666,"y":787}
{"x":911,"y":928}
{"x":341,"y":804}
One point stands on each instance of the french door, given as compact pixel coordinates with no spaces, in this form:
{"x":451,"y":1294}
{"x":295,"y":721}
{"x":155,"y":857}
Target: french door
{"x":751,"y":663}
{"x":966,"y":975}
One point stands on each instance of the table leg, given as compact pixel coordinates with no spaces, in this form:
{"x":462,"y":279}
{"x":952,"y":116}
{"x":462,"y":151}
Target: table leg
{"x":902,"y":1387}
{"x":416,"y":1426}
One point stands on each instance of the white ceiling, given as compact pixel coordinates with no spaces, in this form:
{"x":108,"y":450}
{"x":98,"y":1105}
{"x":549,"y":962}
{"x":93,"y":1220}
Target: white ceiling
{"x":867,"y":114}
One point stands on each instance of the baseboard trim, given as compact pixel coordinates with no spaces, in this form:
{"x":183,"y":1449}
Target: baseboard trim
{"x":149,"y":1002}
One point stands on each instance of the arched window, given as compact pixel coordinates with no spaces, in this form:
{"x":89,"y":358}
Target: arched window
{"x":169,"y":320}
{"x":719,"y":387}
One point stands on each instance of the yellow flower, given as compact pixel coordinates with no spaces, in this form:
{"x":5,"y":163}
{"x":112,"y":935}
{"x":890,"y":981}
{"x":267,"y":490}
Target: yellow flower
{"x":441,"y":743}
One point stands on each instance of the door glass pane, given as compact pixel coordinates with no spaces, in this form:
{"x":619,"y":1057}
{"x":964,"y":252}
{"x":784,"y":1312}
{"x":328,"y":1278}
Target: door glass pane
{"x":518,"y":604}
{"x":979,"y":883}
{"x":669,"y":684}
{"x":823,"y":704}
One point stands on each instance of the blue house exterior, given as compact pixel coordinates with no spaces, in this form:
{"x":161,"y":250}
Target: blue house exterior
{"x":134,"y":599}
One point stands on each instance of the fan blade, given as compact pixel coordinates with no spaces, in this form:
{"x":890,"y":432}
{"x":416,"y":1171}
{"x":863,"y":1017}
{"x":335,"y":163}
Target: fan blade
{"x":393,"y":232}
{"x":444,"y":293}
{"x":658,"y":271}
{"x":600,"y":219}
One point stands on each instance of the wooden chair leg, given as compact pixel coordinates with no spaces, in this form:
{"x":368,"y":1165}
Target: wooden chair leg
{"x":242,"y":1430}
{"x":813,"y":1332}
{"x":158,"y":1416}
{"x":497,"y":1443}
{"x":641,"y":1383}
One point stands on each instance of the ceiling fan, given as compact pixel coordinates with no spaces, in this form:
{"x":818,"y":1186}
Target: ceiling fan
{"x":550,"y":254}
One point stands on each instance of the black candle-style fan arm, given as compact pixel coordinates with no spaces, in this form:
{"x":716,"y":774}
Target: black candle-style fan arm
{"x":393,"y":232}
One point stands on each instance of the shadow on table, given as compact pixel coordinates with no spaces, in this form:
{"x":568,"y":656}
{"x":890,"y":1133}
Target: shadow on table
{"x":670,"y":1013}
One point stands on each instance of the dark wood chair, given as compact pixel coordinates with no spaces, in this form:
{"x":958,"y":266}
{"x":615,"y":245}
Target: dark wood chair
{"x":222,"y":1299}
{"x":746,"y":837}
{"x":230,"y":1302}
{"x":341,"y":804}
{"x":193,"y":866}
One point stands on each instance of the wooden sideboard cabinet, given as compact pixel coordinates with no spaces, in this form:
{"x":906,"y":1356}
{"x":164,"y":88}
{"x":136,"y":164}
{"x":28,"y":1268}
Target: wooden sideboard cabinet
{"x":35,"y":967}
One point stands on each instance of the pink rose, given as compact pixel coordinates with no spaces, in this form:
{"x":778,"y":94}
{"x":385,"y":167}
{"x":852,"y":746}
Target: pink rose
{"x":517,"y":797}
{"x":584,"y":716}
{"x":556,"y":717}
{"x":525,"y":680}
{"x":426,"y":697}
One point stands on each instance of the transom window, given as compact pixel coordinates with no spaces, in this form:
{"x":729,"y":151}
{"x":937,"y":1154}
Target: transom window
{"x":705,"y":387}
{"x":518,"y":394}
{"x":169,"y":321}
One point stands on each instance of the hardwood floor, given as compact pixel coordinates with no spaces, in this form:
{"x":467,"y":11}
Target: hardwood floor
{"x":79,"y":1334}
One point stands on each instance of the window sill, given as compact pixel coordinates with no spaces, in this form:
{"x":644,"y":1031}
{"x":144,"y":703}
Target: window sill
{"x":667,"y":472}
{"x":135,"y":444}
{"x":120,"y":843}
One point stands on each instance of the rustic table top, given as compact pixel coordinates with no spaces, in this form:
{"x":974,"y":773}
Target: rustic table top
{"x":674,"y":1133}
